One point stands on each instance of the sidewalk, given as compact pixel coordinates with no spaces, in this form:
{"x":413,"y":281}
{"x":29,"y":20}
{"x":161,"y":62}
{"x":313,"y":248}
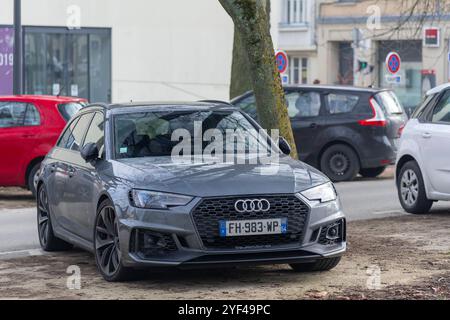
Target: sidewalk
{"x":409,"y":257}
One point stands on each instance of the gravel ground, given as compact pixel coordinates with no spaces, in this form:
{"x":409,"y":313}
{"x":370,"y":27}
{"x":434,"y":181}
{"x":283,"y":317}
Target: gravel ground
{"x":409,"y":257}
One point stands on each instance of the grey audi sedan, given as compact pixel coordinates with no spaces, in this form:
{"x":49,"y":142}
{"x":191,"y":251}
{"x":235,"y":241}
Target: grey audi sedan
{"x":124,"y":183}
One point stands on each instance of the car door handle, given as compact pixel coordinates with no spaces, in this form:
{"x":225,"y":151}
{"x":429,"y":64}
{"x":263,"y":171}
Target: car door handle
{"x":426,"y":135}
{"x":313,"y":125}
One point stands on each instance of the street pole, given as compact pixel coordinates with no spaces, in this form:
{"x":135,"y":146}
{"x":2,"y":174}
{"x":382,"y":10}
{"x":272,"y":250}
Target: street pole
{"x":355,"y":45}
{"x":18,"y":53}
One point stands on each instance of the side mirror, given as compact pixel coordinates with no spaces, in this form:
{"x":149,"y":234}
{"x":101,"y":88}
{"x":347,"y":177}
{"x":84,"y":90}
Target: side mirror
{"x":90,"y":152}
{"x":284,"y":146}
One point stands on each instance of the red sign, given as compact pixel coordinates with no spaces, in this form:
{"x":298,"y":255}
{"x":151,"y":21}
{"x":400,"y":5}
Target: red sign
{"x":431,"y":37}
{"x":427,"y":72}
{"x":393,"y":63}
{"x":282,"y":61}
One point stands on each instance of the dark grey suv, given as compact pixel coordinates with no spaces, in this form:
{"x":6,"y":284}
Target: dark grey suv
{"x":340,"y":130}
{"x":111,"y":186}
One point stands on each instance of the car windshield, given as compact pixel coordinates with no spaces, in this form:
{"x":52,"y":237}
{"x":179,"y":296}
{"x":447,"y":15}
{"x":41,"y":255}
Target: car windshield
{"x":156,"y":134}
{"x":391,"y":102}
{"x":68,"y":110}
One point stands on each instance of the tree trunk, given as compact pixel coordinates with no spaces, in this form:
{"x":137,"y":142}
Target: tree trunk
{"x":241,"y":81}
{"x":251,"y":21}
{"x":240,"y":73}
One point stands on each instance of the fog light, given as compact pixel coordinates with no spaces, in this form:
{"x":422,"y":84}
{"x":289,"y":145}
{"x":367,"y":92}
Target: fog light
{"x":150,"y":240}
{"x":148,"y":244}
{"x":333,"y":232}
{"x":161,"y":243}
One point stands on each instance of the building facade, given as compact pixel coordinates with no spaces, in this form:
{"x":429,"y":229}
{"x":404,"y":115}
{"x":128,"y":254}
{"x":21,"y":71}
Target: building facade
{"x":294,"y":31}
{"x":114,"y":50}
{"x":355,"y":37}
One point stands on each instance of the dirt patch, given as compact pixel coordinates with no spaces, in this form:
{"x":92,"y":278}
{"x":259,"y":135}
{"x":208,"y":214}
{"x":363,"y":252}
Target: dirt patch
{"x":16,"y":198}
{"x":396,"y":258}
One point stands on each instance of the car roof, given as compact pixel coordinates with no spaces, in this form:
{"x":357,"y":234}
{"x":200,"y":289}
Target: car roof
{"x":47,"y":98}
{"x":438,"y":89}
{"x":162,"y":106}
{"x":323,"y":88}
{"x":335,"y":87}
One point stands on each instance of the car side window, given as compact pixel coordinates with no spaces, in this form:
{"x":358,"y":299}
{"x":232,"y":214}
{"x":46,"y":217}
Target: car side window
{"x":424,"y":107}
{"x":79,"y":131}
{"x":303,"y":104}
{"x":32,"y":117}
{"x":18,"y":114}
{"x":341,"y":103}
{"x":441,"y":112}
{"x":67,"y":137}
{"x":96,"y":133}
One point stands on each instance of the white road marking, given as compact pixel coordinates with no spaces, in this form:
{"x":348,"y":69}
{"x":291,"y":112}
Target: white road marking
{"x":380,"y":213}
{"x":18,"y":211}
{"x":21,"y":254}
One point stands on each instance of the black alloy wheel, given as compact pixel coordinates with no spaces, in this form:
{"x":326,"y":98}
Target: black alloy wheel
{"x":48,"y":240}
{"x":108,"y":255}
{"x":43,"y":217}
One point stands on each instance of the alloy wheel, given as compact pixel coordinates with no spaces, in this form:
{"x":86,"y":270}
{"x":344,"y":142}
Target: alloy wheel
{"x":43,"y":216}
{"x":36,"y":178}
{"x":339,"y":163}
{"x":409,"y":187}
{"x":107,"y":243}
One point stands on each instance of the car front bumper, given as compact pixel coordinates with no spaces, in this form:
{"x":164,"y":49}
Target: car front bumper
{"x":182,"y":246}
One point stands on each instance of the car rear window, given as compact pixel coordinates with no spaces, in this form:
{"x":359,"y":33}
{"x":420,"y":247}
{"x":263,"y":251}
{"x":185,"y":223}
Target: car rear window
{"x":390,"y":102}
{"x":338,"y":103}
{"x":68,"y":110}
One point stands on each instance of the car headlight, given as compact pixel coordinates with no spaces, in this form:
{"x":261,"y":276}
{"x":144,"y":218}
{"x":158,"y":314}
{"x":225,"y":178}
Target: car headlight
{"x":323,"y":193}
{"x":157,"y":200}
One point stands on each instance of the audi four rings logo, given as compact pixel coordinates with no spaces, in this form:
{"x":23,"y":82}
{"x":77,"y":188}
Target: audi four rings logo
{"x":256,"y":205}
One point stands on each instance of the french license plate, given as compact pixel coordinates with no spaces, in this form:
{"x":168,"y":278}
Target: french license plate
{"x":252,"y":227}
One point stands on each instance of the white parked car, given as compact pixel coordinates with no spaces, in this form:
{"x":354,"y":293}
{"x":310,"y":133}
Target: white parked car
{"x":423,"y":161}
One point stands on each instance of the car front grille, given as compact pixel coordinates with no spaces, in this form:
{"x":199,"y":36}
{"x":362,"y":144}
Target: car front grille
{"x":209,"y":212}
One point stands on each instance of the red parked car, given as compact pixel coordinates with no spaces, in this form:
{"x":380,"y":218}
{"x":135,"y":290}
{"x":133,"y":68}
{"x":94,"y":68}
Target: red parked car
{"x":29,"y":128}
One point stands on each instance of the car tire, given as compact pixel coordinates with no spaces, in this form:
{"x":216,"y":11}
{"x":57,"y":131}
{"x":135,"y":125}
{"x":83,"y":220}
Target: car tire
{"x":318,"y":266}
{"x":340,"y":163}
{"x":31,"y":178}
{"x":47,"y":239}
{"x":372,"y":172}
{"x":411,"y":189}
{"x":108,"y":256}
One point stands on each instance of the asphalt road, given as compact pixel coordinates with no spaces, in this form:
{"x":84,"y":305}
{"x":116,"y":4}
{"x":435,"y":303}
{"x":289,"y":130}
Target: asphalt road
{"x":373,"y":199}
{"x":18,"y":230}
{"x":362,"y":200}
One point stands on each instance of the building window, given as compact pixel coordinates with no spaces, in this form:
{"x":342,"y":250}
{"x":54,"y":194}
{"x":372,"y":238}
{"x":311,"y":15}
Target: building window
{"x":345,"y":75}
{"x":295,"y":11}
{"x":414,"y":82}
{"x":62,"y":62}
{"x":298,"y":70}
